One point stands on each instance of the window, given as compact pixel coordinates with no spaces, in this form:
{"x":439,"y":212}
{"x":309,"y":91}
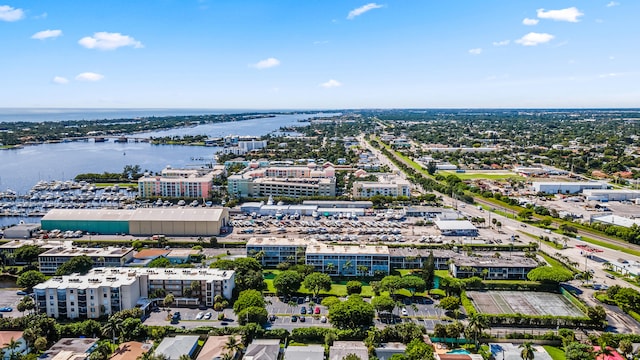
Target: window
{"x":91,"y":297}
{"x":104,"y":295}
{"x":72,"y":303}
{"x":71,"y":291}
{"x":50,"y":297}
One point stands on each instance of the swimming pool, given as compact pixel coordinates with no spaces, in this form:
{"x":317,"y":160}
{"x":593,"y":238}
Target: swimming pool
{"x":458,"y":351}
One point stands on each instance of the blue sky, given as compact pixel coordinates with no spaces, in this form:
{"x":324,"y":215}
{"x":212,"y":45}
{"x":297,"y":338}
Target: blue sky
{"x":319,"y":54}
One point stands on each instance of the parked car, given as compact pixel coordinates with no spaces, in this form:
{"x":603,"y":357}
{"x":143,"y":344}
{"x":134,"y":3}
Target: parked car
{"x":294,"y":318}
{"x":303,"y":310}
{"x":200,"y":315}
{"x":302,"y":319}
{"x":317,"y":311}
{"x":272,"y":318}
{"x":6,"y":309}
{"x":323,"y":319}
{"x":23,"y":293}
{"x":404,"y":312}
{"x":207,"y":316}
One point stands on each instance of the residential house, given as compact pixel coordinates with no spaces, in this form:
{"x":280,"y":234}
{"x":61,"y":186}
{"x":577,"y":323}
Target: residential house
{"x":263,"y":349}
{"x":173,"y":347}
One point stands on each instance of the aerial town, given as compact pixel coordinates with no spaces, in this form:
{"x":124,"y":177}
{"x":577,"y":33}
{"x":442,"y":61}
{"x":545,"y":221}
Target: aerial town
{"x":372,"y":234}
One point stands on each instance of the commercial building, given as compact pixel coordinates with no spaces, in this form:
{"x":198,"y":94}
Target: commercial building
{"x":456,"y":227}
{"x":278,"y":250}
{"x":387,"y":185}
{"x":359,"y":260}
{"x":567,"y":187}
{"x":292,"y":181}
{"x":104,"y":291}
{"x":175,"y":183}
{"x":611,"y":195}
{"x":140,"y":222}
{"x":50,"y":260}
{"x":514,"y":267}
{"x":21,"y":231}
{"x":616,"y":220}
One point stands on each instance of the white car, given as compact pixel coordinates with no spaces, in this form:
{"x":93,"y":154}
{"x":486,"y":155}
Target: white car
{"x":207,"y":316}
{"x":199,"y":316}
{"x":404,"y":312}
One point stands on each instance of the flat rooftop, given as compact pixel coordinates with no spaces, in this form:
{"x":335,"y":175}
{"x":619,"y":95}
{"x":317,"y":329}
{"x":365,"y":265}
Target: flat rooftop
{"x":346,"y":249}
{"x":91,"y":252}
{"x":503,"y":261}
{"x":276,"y":241}
{"x":454,"y":225}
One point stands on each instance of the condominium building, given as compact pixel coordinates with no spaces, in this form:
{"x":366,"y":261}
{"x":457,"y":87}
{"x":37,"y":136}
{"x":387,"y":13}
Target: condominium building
{"x":50,"y":260}
{"x":104,"y":291}
{"x":514,"y":267}
{"x":387,"y":185}
{"x":359,"y":260}
{"x":412,"y":258}
{"x":174,"y":183}
{"x":291,"y":181}
{"x":274,"y":251}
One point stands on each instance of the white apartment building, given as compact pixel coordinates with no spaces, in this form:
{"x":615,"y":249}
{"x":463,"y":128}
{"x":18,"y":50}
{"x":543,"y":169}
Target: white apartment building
{"x":348,"y":260}
{"x":50,"y":260}
{"x":104,"y":291}
{"x":292,"y":181}
{"x":173,"y":183}
{"x":387,"y":185}
{"x":278,"y":250}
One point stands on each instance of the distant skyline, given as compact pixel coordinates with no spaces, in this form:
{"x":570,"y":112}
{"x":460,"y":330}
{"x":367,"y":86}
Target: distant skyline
{"x":314,"y":54}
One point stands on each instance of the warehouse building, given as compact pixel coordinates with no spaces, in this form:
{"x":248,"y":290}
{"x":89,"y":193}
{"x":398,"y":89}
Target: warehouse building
{"x":612,"y":195}
{"x":456,"y":227}
{"x":567,"y":187}
{"x":140,"y":222}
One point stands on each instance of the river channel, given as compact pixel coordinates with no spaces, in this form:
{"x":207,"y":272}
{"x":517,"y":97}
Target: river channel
{"x":21,"y":169}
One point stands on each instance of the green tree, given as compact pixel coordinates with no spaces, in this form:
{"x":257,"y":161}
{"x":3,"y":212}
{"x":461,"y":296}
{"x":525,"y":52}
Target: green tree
{"x":549,"y":274}
{"x":413,"y":284}
{"x":383,"y":303}
{"x":428,"y":270}
{"x":528,"y":351}
{"x":40,"y":344}
{"x":477,"y":324}
{"x":159,"y":262}
{"x":418,"y":350}
{"x":450,"y":303}
{"x":316,"y":282}
{"x":391,"y":284}
{"x":578,"y":351}
{"x":253,"y":314}
{"x":31,"y":278}
{"x":233,"y":346}
{"x":354,"y":313}
{"x":77,"y":264}
{"x":329,"y":301}
{"x":28,"y":253}
{"x":112,"y":327}
{"x":626,"y":347}
{"x":12,"y":346}
{"x":247,"y":299}
{"x":26,"y":303}
{"x":354,"y":287}
{"x":351,"y":357}
{"x":287,"y":282}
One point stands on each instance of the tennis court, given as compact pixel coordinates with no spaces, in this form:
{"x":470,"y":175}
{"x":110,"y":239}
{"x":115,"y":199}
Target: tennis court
{"x":523,"y":302}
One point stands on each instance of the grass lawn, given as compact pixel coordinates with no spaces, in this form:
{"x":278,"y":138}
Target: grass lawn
{"x":554,"y":352}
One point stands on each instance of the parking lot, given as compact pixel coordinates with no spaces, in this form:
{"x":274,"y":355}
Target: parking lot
{"x":9,"y":298}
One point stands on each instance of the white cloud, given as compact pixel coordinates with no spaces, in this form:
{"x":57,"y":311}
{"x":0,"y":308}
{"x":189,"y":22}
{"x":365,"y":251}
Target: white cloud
{"x":266,"y":63}
{"x":46,"y":34}
{"x":612,"y":57}
{"x":609,"y":75}
{"x":89,"y":76}
{"x":613,"y":3}
{"x":569,"y":14}
{"x":530,"y":22}
{"x":501,"y":43}
{"x":7,"y":13}
{"x":108,"y":41}
{"x":321,"y":42}
{"x":60,"y":80}
{"x":331,"y":84}
{"x":476,"y":51}
{"x":41,"y":16}
{"x":533,"y":39}
{"x":362,"y":9}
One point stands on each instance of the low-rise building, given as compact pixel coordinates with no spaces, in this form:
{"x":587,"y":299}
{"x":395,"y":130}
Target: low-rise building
{"x":46,"y":244}
{"x":567,"y":187}
{"x":70,"y":349}
{"x":176,"y":183}
{"x":358,"y":260}
{"x":340,"y":349}
{"x":131,"y":350}
{"x":21,"y":231}
{"x":278,"y":250}
{"x":172,"y":348}
{"x":412,"y":258}
{"x":456,"y":227}
{"x":513,"y":267}
{"x":6,"y":337}
{"x":387,"y":185}
{"x":215,"y":348}
{"x":104,"y":291}
{"x":50,"y":260}
{"x":263,"y":349}
{"x":308,"y":352}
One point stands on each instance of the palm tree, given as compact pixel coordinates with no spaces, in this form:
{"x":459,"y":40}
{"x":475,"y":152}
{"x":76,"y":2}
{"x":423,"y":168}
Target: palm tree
{"x":233,"y":346}
{"x":347,"y":265}
{"x":528,"y":351}
{"x":477,"y":323}
{"x":603,"y":352}
{"x":12,"y":345}
{"x":330,"y":267}
{"x":29,"y":335}
{"x":112,"y":327}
